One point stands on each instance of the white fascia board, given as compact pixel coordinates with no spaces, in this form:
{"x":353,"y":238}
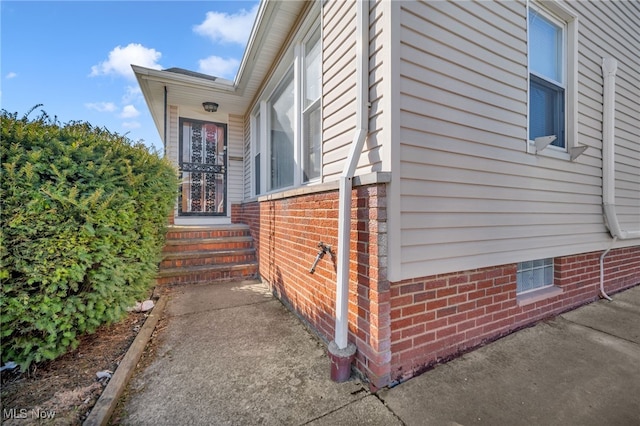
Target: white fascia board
{"x":255,"y":39}
{"x":158,"y":116}
{"x":169,"y":77}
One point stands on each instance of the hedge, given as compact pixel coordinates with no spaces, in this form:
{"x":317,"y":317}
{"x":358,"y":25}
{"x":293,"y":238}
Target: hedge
{"x":83,"y":220}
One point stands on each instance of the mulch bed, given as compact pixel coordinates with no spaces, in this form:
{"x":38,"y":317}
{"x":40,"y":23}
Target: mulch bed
{"x":66,"y":389}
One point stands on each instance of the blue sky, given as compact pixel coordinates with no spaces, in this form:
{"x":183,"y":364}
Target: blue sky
{"x":74,"y":56}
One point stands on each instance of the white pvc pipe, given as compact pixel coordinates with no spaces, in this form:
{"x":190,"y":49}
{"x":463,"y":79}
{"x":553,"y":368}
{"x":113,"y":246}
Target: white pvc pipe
{"x":609,"y":68}
{"x":602,"y":292}
{"x":346,"y":179}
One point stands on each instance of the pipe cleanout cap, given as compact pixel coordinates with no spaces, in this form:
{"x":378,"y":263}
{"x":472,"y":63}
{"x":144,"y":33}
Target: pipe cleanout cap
{"x":341,"y":360}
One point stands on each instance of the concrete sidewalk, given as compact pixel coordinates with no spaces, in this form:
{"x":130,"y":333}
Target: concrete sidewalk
{"x":581,"y":368}
{"x":231,"y":354}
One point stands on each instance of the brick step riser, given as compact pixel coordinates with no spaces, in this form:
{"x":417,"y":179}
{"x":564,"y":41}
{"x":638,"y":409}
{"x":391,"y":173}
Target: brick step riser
{"x":249,"y":272}
{"x":196,"y":246}
{"x":201,"y":255}
{"x":208,"y":260}
{"x":190,"y":235}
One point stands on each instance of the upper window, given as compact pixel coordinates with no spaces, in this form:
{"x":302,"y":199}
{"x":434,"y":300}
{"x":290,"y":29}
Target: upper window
{"x":291,"y":139}
{"x":547,"y":77}
{"x":311,"y":116}
{"x":282,"y":134}
{"x":256,"y":153}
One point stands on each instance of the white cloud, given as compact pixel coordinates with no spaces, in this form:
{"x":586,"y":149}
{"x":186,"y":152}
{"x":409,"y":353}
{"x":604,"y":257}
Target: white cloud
{"x":132,"y":94}
{"x":228,"y":28}
{"x":121,"y":58}
{"x":129,"y":111}
{"x":131,"y":125}
{"x":102,"y":106}
{"x":11,"y":75}
{"x":219,"y":67}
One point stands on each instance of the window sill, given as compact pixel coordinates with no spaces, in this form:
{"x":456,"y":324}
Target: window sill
{"x":538,"y":295}
{"x":550,"y":151}
{"x":312,"y":188}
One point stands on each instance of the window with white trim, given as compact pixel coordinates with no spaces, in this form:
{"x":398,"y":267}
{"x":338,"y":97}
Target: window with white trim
{"x":256,"y":153}
{"x":282,"y":134}
{"x":534,"y":275}
{"x":311,"y":116}
{"x":547,"y":76}
{"x":291,"y":138}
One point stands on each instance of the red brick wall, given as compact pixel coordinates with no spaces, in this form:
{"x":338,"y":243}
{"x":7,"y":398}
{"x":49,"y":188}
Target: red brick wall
{"x":579,"y":273}
{"x":402,"y":328}
{"x":434,"y":318}
{"x":286,"y":233}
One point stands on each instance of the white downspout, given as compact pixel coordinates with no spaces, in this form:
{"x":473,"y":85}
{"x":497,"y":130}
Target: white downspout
{"x":609,"y":68}
{"x":346,"y":179}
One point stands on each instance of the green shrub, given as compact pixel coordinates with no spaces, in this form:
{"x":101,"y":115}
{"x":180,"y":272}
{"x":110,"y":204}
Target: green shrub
{"x":83,"y":215}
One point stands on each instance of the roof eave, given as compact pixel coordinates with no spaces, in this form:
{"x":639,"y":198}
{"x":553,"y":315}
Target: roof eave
{"x":182,"y":80}
{"x":157,"y":116}
{"x":256,"y":38}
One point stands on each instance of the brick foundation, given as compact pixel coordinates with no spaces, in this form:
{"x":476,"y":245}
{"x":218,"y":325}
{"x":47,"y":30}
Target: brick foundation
{"x":287,"y":232}
{"x":402,"y":328}
{"x":435,"y":318}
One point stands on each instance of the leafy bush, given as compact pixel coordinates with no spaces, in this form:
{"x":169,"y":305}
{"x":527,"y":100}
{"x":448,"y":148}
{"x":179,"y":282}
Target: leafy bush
{"x":83,"y":215}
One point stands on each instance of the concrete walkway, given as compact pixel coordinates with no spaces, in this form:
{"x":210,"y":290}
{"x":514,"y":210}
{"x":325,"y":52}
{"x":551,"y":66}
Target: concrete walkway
{"x":231,"y":354}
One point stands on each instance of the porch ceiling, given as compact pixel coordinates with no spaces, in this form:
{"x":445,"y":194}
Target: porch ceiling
{"x":188,"y":92}
{"x":273,"y":25}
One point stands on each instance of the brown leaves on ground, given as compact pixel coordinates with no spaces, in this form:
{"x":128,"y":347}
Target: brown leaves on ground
{"x":67,"y":386}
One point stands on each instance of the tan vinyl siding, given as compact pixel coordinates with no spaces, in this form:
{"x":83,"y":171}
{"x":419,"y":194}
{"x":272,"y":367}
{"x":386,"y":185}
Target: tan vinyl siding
{"x":172,"y":142}
{"x":612,"y":30}
{"x":339,"y":88}
{"x":376,"y":153}
{"x":235,"y":155}
{"x":248,"y":171}
{"x":338,"y":84}
{"x":470,"y":194}
{"x":627,"y":136}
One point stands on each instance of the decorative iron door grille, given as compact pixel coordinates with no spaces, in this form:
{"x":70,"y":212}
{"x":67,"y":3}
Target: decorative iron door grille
{"x":203,"y":171}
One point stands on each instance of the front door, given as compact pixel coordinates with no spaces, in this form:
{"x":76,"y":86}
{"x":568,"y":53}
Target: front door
{"x":203,"y":168}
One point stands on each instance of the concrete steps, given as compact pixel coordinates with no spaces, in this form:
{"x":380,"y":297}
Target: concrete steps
{"x":199,"y":254}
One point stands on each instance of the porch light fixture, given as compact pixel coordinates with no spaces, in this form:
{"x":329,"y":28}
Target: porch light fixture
{"x":210,"y":106}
